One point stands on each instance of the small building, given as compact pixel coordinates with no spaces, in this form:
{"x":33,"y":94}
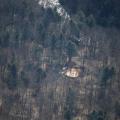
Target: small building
{"x":71,"y":70}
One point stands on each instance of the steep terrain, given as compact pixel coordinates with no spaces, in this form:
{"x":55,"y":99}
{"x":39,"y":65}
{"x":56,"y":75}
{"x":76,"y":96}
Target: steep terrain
{"x":57,"y":65}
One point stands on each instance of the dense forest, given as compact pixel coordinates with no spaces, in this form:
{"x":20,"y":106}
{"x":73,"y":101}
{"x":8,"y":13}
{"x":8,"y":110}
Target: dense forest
{"x":105,"y":12}
{"x":55,"y":68}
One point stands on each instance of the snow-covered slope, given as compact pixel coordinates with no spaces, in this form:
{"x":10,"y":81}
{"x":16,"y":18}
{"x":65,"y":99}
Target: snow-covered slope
{"x":55,"y":4}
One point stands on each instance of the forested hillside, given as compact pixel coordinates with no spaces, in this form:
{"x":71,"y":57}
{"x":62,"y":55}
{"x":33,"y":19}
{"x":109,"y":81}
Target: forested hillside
{"x":105,"y":12}
{"x":54,"y":67}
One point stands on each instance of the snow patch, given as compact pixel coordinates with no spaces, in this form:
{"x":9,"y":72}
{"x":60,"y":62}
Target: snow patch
{"x":55,"y":4}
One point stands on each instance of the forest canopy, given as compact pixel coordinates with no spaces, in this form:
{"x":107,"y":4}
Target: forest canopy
{"x":105,"y":12}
